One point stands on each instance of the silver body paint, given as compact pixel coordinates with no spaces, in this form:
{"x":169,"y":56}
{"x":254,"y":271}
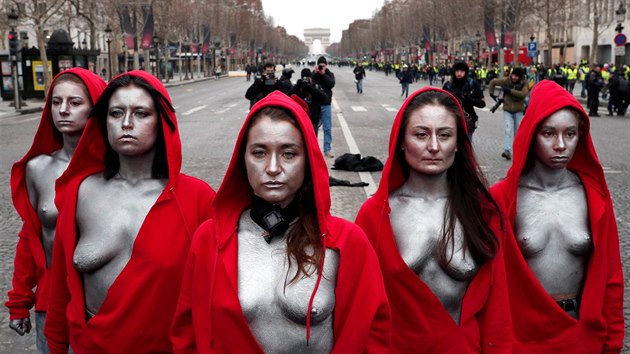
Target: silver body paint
{"x":277,"y":314}
{"x":109,"y":216}
{"x":417,"y":224}
{"x":552,"y":230}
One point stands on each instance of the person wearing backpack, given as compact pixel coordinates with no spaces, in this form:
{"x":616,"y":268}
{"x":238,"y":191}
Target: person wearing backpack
{"x":468,"y":92}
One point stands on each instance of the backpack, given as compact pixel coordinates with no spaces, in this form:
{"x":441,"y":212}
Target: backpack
{"x":624,"y":86}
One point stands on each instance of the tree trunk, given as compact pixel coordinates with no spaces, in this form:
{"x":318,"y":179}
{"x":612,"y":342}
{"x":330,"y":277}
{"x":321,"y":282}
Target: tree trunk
{"x":594,"y":48}
{"x":39,"y":34}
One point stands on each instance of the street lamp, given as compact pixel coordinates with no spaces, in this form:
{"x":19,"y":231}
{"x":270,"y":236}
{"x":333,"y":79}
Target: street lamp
{"x":620,"y":16}
{"x":108,"y":38}
{"x":13,"y":19}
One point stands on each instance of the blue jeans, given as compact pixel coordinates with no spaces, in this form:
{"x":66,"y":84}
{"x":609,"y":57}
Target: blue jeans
{"x":360,"y":86}
{"x":405,"y":89}
{"x":327,"y":126}
{"x":40,"y":339}
{"x":511,"y":123}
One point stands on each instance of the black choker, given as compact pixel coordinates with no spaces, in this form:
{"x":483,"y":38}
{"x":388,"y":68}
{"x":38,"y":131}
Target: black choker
{"x":271,"y":217}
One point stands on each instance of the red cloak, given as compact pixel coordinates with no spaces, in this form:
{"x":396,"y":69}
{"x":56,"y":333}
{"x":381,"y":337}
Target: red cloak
{"x":30,"y":269}
{"x":136,"y":314}
{"x":540,"y":325}
{"x":209,"y":316}
{"x":420,"y":321}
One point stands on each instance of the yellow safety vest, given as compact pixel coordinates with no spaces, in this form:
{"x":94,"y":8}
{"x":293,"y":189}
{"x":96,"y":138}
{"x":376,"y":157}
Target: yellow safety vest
{"x":572,"y":74}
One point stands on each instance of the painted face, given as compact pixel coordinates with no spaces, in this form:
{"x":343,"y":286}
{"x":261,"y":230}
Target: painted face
{"x":430,"y":141}
{"x":132,"y":121}
{"x":557,"y":138}
{"x":70,"y":107}
{"x":275,"y":159}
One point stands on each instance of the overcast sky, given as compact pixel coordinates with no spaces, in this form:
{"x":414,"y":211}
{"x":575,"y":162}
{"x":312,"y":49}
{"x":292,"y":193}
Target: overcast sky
{"x":297,"y":15}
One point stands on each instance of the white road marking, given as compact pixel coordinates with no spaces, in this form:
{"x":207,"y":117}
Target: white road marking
{"x":389,"y":107}
{"x":366,"y":177}
{"x":359,"y":109}
{"x":193,"y":110}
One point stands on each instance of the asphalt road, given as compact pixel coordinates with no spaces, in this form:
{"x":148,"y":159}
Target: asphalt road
{"x":210,"y":114}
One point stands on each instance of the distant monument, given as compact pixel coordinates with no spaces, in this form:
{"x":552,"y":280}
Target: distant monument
{"x":312,"y":35}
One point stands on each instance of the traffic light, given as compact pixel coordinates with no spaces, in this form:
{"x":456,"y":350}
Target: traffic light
{"x":13,"y":42}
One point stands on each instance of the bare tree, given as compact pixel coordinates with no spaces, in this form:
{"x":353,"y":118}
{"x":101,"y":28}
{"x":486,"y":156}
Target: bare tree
{"x":40,"y":13}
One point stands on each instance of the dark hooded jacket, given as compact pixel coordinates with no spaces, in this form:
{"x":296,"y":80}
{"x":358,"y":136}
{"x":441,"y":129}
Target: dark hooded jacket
{"x":30,"y":271}
{"x":209,"y":317}
{"x":467,"y":91}
{"x":540,"y":325}
{"x":421,"y":324}
{"x":136,"y":314}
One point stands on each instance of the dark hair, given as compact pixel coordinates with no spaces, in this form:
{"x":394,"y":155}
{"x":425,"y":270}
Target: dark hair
{"x":162,"y":105}
{"x":270,"y":65}
{"x":467,"y":191}
{"x":305,"y":233}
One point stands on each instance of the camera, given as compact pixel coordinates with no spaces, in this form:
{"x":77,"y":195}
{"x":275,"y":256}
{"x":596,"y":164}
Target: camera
{"x":270,"y":79}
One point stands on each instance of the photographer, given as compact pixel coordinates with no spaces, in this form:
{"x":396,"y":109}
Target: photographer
{"x":263,"y":85}
{"x":468,"y":92}
{"x":515,"y":91}
{"x":326,"y":80}
{"x":312,"y":94}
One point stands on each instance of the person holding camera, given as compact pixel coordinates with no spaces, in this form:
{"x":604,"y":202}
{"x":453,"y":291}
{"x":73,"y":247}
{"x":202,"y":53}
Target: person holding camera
{"x":326,"y":80}
{"x":515,"y":90}
{"x":263,"y":85}
{"x":312,"y":94}
{"x":468,"y":92}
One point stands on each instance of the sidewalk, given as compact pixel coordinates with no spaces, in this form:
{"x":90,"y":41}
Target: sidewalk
{"x":34,"y":105}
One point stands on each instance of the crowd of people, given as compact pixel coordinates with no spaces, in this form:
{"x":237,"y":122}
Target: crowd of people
{"x":120,"y":252}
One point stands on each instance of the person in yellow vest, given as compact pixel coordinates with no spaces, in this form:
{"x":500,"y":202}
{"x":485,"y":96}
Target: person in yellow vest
{"x":583,"y":75}
{"x":606,"y":76}
{"x":572,"y":76}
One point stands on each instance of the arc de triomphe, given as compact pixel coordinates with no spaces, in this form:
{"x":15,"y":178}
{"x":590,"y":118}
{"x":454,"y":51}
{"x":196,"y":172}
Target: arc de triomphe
{"x":313,"y":34}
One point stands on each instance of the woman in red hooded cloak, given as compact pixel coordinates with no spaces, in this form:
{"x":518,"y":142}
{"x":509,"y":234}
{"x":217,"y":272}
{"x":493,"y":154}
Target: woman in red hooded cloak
{"x":273,"y":271}
{"x":71,"y":97}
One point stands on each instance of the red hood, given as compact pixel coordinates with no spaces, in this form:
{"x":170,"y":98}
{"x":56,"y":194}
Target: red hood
{"x":393,"y":176}
{"x":47,"y":139}
{"x":89,"y":157}
{"x":235,"y":193}
{"x":546,"y":98}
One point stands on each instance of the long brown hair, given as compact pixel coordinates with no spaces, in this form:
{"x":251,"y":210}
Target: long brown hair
{"x":304,"y":244}
{"x":467,"y":190}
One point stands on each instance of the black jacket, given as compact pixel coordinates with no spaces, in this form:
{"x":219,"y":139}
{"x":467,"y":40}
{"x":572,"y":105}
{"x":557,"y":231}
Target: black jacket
{"x":326,"y":82}
{"x":313,"y":95}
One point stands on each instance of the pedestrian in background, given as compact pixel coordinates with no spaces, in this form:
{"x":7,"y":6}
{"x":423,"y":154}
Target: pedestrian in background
{"x":68,"y":105}
{"x":515,"y":89}
{"x":312,"y":94}
{"x":466,"y":89}
{"x":359,"y":75}
{"x":263,"y":85}
{"x":405,"y":77}
{"x":326,"y":80}
{"x":595,"y":84}
{"x":561,"y":250}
